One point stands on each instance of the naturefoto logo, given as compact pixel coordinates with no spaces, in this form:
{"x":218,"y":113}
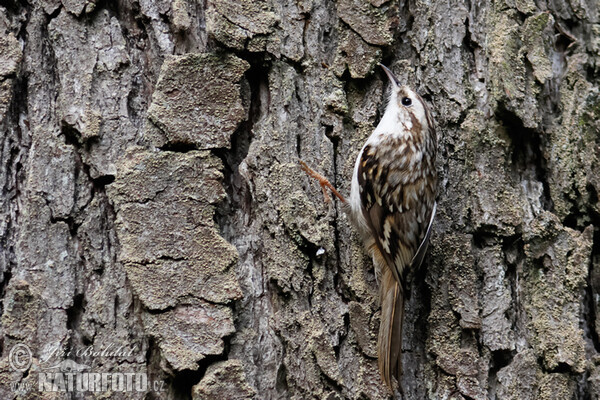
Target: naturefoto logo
{"x":71,"y":376}
{"x":20,"y":357}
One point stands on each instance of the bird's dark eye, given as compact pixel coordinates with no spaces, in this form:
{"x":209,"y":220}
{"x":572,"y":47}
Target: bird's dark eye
{"x":406,"y":101}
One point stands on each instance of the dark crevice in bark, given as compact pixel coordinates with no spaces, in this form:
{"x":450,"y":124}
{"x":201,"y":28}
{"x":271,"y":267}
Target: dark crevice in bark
{"x":179,"y":147}
{"x":577,"y":219}
{"x":560,"y":368}
{"x":71,"y":135}
{"x":281,"y":385}
{"x":331,"y":383}
{"x":235,"y":213}
{"x":499,"y":360}
{"x":421,"y":297}
{"x":182,"y":382}
{"x":527,"y":153}
{"x":238,"y":193}
{"x":469,"y":44}
{"x":306,"y":17}
{"x":6,"y":276}
{"x":299,"y":145}
{"x":15,"y":6}
{"x":155,"y":372}
{"x":101,"y":181}
{"x":135,"y":99}
{"x":583,"y":387}
{"x":588,"y":324}
{"x":74,"y":318}
{"x":14,"y":133}
{"x":154,"y":311}
{"x":73,"y":138}
{"x":405,"y":22}
{"x":514,"y":256}
{"x":69,"y":221}
{"x":335,"y":221}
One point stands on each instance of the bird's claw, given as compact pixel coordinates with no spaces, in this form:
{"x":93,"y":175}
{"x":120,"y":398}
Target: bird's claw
{"x":323,"y":182}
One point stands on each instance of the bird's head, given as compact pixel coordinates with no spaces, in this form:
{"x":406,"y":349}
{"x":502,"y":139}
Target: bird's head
{"x":405,"y":106}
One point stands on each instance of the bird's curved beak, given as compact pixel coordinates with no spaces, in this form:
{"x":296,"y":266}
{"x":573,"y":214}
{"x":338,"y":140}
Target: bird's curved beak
{"x":390,"y":75}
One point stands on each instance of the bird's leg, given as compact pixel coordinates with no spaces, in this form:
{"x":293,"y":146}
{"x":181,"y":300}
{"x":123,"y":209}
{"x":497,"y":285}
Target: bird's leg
{"x":325,"y":184}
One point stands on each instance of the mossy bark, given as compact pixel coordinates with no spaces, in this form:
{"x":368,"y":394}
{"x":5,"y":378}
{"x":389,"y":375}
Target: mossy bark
{"x":152,"y":198}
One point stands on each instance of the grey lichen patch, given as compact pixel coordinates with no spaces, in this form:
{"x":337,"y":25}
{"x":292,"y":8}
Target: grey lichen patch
{"x":454,"y":308}
{"x":94,"y":78}
{"x":285,"y":262}
{"x":557,"y":386}
{"x":6,"y":93}
{"x":198,"y":278}
{"x":554,"y":275}
{"x":510,"y":85}
{"x":168,"y":198}
{"x":538,"y":38}
{"x":9,"y":377}
{"x":310,"y":346}
{"x":299,"y":359}
{"x":190,"y":332}
{"x":21,"y":312}
{"x":225,"y":31}
{"x":255,"y":16}
{"x":373,"y":24}
{"x":325,"y":355}
{"x":76,"y":76}
{"x":336,"y":101}
{"x":358,"y":265}
{"x":235,"y":23}
{"x":355,"y":54}
{"x":361,"y":375}
{"x":520,"y":379}
{"x":364,"y":327}
{"x":10,"y":55}
{"x":224,"y":380}
{"x":298,"y":216}
{"x":496,"y":330}
{"x":197,"y":100}
{"x":526,"y":7}
{"x":53,"y":184}
{"x":495,"y":201}
{"x":445,"y":335}
{"x":590,"y":157}
{"x":261,"y":43}
{"x":78,"y":7}
{"x":72,"y":99}
{"x":363,"y":105}
{"x":42,"y":247}
{"x":573,"y":158}
{"x":523,"y":379}
{"x":462,"y":292}
{"x":181,"y":14}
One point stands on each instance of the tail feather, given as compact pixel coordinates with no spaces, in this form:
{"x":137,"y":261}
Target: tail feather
{"x":389,"y":346}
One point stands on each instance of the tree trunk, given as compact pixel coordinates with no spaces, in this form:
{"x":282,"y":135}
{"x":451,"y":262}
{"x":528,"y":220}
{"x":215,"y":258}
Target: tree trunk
{"x":155,"y":219}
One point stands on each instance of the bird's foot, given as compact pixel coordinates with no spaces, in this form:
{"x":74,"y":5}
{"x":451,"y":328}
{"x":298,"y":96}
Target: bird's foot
{"x":323,"y":182}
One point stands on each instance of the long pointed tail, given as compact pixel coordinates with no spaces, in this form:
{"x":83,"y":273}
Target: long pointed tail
{"x":389,"y":346}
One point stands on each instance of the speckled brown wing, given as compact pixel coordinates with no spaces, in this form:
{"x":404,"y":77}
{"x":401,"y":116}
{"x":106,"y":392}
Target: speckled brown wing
{"x":397,"y":204}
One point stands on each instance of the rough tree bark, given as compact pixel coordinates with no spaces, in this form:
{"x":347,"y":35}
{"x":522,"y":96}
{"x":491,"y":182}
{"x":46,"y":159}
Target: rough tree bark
{"x":152,"y":198}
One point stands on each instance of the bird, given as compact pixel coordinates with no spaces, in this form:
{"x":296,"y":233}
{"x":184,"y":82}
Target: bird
{"x":393,"y":204}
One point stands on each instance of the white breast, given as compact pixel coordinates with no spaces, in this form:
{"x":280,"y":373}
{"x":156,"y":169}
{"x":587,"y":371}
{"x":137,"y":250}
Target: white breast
{"x":355,"y":202}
